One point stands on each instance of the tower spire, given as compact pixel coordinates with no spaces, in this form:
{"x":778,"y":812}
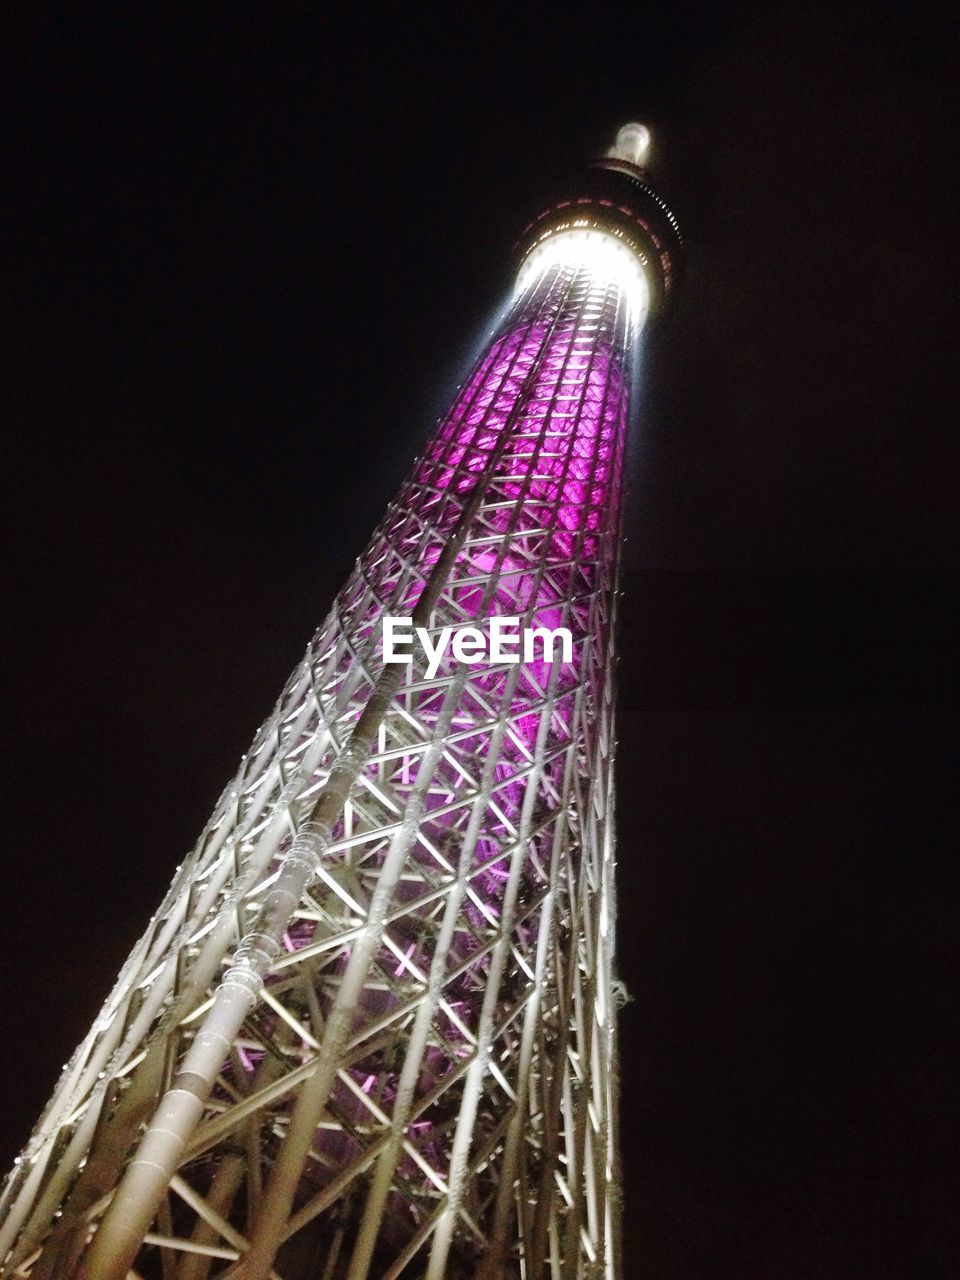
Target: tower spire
{"x":631,"y":144}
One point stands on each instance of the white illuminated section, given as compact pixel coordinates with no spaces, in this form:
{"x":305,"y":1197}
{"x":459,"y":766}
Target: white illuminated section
{"x":606,"y":257}
{"x":632,"y":145}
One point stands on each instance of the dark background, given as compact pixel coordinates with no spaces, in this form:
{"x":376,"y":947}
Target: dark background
{"x":251,"y":250}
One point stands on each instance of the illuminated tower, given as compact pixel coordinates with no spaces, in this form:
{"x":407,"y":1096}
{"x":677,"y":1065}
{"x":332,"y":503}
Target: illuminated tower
{"x":370,"y":1032}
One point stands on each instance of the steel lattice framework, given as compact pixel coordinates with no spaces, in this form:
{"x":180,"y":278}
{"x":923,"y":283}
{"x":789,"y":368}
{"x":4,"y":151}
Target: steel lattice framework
{"x":370,"y":1031}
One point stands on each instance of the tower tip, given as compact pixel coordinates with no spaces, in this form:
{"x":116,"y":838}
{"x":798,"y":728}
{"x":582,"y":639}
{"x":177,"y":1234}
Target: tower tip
{"x":632,"y":144}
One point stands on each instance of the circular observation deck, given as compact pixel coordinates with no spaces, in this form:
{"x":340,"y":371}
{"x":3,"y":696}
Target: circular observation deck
{"x":613,"y":196}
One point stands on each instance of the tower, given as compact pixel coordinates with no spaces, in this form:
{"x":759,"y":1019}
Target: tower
{"x":370,"y":1030}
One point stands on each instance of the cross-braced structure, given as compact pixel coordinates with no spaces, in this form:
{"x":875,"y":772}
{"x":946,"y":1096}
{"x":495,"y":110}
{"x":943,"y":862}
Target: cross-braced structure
{"x":370,"y":1032}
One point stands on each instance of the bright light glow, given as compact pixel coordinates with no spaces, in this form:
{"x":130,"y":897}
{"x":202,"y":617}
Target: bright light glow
{"x":608,"y":260}
{"x":632,"y":144}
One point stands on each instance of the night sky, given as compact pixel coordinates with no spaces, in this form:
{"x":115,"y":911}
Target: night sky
{"x":248,"y":256}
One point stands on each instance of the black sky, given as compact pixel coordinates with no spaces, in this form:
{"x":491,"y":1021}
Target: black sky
{"x":248,"y":251}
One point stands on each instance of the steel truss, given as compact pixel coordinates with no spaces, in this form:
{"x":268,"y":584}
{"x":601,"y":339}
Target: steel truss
{"x":369,"y":1032}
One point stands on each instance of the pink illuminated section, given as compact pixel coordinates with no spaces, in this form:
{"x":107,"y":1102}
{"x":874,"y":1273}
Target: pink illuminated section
{"x":548,"y":399}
